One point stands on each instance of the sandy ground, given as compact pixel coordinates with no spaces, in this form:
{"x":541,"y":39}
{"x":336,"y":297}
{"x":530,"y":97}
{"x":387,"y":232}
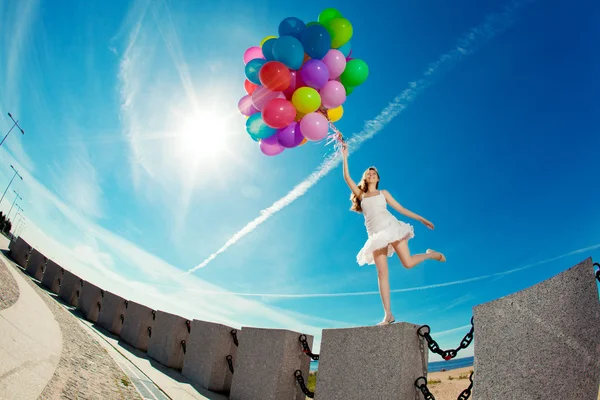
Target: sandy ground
{"x":449,"y":389}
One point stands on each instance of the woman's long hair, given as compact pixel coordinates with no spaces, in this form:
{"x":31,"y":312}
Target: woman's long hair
{"x":362,"y":185}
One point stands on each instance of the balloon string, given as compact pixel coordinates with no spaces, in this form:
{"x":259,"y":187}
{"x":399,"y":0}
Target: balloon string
{"x":336,"y":138}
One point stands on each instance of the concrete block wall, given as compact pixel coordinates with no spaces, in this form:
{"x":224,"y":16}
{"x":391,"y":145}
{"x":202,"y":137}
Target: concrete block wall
{"x":542,"y":342}
{"x":206,"y":357}
{"x":70,"y":288}
{"x":19,"y":251}
{"x":560,"y":316}
{"x":52,"y":275}
{"x":36,"y":263}
{"x":266,"y":362}
{"x":90,"y":301}
{"x":168,"y":342}
{"x":137,"y":325}
{"x":112,"y":313}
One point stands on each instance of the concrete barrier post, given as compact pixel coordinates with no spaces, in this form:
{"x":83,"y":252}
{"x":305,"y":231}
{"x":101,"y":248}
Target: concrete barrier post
{"x":542,"y":342}
{"x":371,"y":362}
{"x":205,"y":361}
{"x":137,"y":325}
{"x":266,"y":362}
{"x":70,"y":288}
{"x":112,"y":313}
{"x":52,"y":275}
{"x":19,"y":251}
{"x":168,"y":343}
{"x":90,"y":301}
{"x":36,"y":264}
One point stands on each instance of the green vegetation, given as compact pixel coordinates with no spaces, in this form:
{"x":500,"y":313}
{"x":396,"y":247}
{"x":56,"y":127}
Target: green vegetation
{"x":311,"y":383}
{"x":433,"y":381}
{"x":125,"y":381}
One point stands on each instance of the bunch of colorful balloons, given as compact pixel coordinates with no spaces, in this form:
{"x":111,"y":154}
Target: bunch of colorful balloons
{"x":297,"y":83}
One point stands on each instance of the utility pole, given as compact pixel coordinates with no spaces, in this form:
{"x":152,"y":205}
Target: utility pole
{"x":11,"y":181}
{"x":16,"y":123}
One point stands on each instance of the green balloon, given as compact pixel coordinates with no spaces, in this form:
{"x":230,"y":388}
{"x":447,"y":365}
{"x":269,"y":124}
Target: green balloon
{"x":349,"y":90}
{"x":355,"y":74}
{"x":328,"y":14}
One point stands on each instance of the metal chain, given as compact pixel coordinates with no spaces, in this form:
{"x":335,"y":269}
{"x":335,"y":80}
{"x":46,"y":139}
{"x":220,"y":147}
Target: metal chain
{"x":300,"y":380}
{"x":306,"y":348}
{"x":423,"y":388}
{"x":230,"y":362}
{"x":446,"y":354}
{"x":234,"y":335}
{"x":467,"y":392}
{"x":597,"y":272}
{"x":183,"y":344}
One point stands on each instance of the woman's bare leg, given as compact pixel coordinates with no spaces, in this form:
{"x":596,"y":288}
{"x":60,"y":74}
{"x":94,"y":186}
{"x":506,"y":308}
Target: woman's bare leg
{"x":410,"y":261}
{"x":381,"y":262}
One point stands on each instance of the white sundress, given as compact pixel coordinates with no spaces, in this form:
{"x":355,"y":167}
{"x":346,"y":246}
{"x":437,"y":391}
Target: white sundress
{"x":382,"y":228}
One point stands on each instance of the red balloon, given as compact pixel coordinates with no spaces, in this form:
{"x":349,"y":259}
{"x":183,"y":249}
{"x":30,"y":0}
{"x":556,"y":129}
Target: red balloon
{"x":275,"y":76}
{"x":278,"y":113}
{"x":249,"y":86}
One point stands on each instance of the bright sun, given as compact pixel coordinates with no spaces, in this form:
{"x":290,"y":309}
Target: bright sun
{"x":201,"y":137}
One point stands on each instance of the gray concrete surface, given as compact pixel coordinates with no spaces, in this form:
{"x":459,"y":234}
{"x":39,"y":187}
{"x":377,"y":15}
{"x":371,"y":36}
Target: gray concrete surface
{"x":52,"y":276}
{"x":165,"y":343}
{"x":371,"y":362}
{"x":36,"y":264}
{"x":19,"y":251}
{"x":137,"y":325}
{"x":90,"y":301}
{"x":70,"y":288}
{"x":113,"y":308}
{"x":265,"y":365}
{"x":542,"y":342}
{"x":205,"y":361}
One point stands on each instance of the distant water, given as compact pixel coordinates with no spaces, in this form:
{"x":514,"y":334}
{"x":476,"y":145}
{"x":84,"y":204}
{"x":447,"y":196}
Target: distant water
{"x":434,"y":366}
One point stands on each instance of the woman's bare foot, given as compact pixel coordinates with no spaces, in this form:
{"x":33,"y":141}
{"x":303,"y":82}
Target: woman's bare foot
{"x":387,"y":320}
{"x":438,"y":256}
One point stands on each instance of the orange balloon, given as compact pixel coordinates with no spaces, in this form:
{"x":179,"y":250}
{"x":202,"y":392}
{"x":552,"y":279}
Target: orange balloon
{"x":306,"y":58}
{"x":303,"y":142}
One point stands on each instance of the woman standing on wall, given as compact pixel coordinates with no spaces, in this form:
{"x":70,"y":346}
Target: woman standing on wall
{"x":386,"y":234}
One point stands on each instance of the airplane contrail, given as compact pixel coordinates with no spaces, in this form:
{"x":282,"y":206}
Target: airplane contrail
{"x":402,"y":290}
{"x":494,"y":24}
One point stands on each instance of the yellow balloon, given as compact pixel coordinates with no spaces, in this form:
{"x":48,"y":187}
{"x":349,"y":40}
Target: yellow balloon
{"x":265,"y":39}
{"x":299,"y":116}
{"x":306,"y":100}
{"x":335,"y":114}
{"x":303,"y":142}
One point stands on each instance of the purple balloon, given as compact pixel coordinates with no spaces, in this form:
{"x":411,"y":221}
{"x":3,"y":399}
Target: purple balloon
{"x":314,"y":73}
{"x":246,"y":107}
{"x":270,"y":146}
{"x":290,"y":136}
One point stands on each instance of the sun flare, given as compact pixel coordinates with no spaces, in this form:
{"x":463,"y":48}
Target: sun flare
{"x":201,"y":137}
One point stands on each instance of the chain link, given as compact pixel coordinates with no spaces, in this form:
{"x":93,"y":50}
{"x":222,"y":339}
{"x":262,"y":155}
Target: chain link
{"x":234,"y":335}
{"x":300,"y":380}
{"x":423,"y":388}
{"x":306,"y":348}
{"x":597,"y":272}
{"x":446,"y":354}
{"x":467,"y":392}
{"x":230,"y":362}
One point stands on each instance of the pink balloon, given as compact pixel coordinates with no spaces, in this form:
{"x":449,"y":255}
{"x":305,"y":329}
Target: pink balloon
{"x":252,"y":53}
{"x":314,"y":126}
{"x":333,"y":94}
{"x":246,"y":107}
{"x":270,"y":146}
{"x":261,"y":96}
{"x":335,"y":62}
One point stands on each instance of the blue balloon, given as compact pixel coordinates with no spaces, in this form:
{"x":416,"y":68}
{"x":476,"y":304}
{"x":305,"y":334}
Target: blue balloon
{"x":316,"y":41}
{"x":252,"y":69}
{"x":267,"y":49}
{"x":257,"y":129}
{"x":291,"y":26}
{"x":289,"y":50}
{"x":345,"y":49}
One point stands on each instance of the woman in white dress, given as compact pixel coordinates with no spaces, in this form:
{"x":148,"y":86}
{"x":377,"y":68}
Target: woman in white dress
{"x":386,"y":234}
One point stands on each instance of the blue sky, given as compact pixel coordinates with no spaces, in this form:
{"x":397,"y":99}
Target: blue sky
{"x":128,"y":186}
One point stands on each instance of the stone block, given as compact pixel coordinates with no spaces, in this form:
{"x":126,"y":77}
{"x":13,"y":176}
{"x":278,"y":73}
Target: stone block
{"x":265,"y":366}
{"x":70,"y":288}
{"x":36,"y":263}
{"x":137,"y":325}
{"x":371,"y":362}
{"x":52,"y":275}
{"x":112,"y":313}
{"x":168,"y":341}
{"x":206,"y":358}
{"x":542,"y":342}
{"x":90,"y":301}
{"x":19,"y":251}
